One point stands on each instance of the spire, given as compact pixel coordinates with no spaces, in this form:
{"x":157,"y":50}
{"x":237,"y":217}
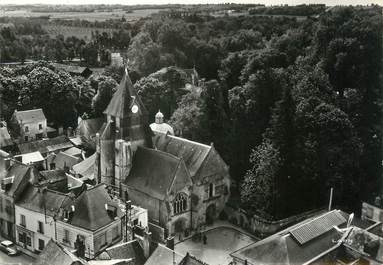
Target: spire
{"x":125,"y":102}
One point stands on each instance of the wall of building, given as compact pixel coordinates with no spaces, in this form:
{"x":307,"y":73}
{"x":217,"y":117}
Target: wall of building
{"x":372,"y":212}
{"x":31,"y":221}
{"x":91,"y":248}
{"x":33,"y":130}
{"x":7,"y":217}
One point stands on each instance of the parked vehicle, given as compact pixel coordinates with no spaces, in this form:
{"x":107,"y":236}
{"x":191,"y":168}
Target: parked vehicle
{"x":8,"y":247}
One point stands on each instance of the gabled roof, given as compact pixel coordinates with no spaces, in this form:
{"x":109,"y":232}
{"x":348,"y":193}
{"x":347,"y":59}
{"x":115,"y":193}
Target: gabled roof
{"x":193,"y":153}
{"x":123,"y":99}
{"x":128,"y":250}
{"x":75,"y":69}
{"x":63,"y":160}
{"x":55,"y":254}
{"x":153,"y":172}
{"x":20,"y":173}
{"x":29,"y":116}
{"x":86,"y":168}
{"x":163,"y":256}
{"x":46,"y":145}
{"x":88,"y":128}
{"x":191,"y":260}
{"x":90,"y":212}
{"x":53,"y":175}
{"x":43,"y":200}
{"x":73,"y":151}
{"x":30,"y":158}
{"x":5,"y":138}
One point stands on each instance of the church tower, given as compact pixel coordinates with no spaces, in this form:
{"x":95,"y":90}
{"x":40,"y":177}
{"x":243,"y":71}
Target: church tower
{"x":126,"y":128}
{"x":129,"y":114}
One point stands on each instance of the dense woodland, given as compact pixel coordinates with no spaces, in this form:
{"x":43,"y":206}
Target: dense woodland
{"x":293,"y":105}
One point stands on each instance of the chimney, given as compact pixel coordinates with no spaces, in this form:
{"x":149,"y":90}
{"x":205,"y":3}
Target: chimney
{"x":61,"y":130}
{"x":146,"y":240}
{"x":170,"y":243}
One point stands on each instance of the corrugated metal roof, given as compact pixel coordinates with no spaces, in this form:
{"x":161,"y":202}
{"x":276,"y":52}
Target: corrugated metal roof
{"x":317,"y":227}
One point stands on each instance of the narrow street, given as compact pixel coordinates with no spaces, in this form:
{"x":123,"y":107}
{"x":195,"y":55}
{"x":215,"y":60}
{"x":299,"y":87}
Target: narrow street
{"x":20,"y":259}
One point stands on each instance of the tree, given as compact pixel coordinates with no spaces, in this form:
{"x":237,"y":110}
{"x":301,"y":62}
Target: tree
{"x":105,"y":89}
{"x":258,"y":191}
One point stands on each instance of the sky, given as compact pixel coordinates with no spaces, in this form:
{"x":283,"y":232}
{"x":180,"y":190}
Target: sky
{"x":135,"y":2}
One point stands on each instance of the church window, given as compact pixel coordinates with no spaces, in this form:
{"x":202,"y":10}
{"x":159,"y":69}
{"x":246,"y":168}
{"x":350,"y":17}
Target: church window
{"x":211,"y":190}
{"x":180,"y":203}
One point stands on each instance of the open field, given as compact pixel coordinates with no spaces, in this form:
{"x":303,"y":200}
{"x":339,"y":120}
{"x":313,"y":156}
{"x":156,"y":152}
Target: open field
{"x":91,"y":16}
{"x":67,"y":31}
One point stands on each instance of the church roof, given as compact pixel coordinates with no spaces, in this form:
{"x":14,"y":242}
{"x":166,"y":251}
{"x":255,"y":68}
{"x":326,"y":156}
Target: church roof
{"x":153,"y":172}
{"x":123,"y":100}
{"x":193,"y":153}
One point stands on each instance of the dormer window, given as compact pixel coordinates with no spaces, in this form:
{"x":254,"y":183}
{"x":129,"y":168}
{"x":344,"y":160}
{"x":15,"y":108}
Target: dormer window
{"x":180,"y":203}
{"x":26,"y":129}
{"x":40,"y":126}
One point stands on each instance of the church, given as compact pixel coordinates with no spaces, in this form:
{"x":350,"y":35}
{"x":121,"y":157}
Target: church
{"x":183,"y":184}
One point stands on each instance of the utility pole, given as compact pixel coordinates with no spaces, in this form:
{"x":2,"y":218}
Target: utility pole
{"x":330,"y":201}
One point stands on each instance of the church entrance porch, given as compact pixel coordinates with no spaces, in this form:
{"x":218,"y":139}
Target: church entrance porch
{"x":210,"y":214}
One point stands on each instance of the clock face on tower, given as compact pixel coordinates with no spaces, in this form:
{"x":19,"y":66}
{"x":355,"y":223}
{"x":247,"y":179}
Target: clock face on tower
{"x":134,"y":108}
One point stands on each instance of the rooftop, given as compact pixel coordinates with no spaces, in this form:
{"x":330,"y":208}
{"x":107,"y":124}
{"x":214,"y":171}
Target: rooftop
{"x":46,"y":145}
{"x":153,"y":172}
{"x":56,"y":254}
{"x":163,"y":256}
{"x":29,"y":116}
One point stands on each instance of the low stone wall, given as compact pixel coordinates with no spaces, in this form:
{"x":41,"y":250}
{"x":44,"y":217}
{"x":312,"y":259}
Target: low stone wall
{"x":259,"y":226}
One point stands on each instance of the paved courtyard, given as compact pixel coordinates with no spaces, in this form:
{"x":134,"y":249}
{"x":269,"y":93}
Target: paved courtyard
{"x":221,"y":241}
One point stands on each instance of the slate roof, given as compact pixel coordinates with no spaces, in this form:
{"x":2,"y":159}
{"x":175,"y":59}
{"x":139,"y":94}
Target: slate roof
{"x":75,"y":69}
{"x":86,"y":167}
{"x":63,"y":160}
{"x":191,"y":260}
{"x":123,"y":99}
{"x":53,"y":175}
{"x":29,"y":116}
{"x":30,"y":158}
{"x":163,"y":256}
{"x":55,"y":254}
{"x":88,"y":128}
{"x":73,"y":151}
{"x":193,"y":153}
{"x":46,"y":145}
{"x":5,"y":138}
{"x":90,"y":212}
{"x":284,"y":249}
{"x":20,"y":173}
{"x":43,"y":200}
{"x":153,"y":171}
{"x":128,"y":250}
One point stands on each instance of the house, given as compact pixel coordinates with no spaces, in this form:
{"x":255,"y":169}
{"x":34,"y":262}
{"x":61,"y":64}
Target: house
{"x":74,"y":69}
{"x":46,"y":146}
{"x":55,"y":254}
{"x":35,"y":213}
{"x":88,"y":223}
{"x":183,"y":184}
{"x":13,"y":185}
{"x":374,"y":211}
{"x":29,"y":125}
{"x":63,"y":160}
{"x":313,"y":241}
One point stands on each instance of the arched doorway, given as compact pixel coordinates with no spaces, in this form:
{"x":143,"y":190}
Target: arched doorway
{"x":210,"y":214}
